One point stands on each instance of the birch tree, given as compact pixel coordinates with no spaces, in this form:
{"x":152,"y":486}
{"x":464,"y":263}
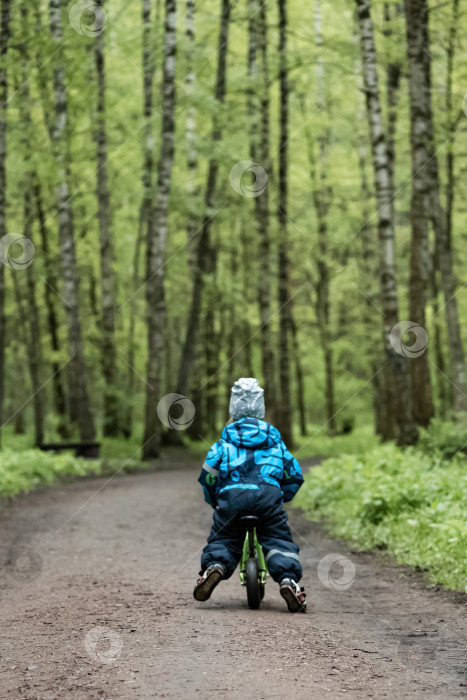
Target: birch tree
{"x":32,"y":316}
{"x":108,"y":356}
{"x":321,"y":204}
{"x":77,"y":371}
{"x":397,"y":378}
{"x":204,"y":258}
{"x":367,"y":258}
{"x":259,"y":20}
{"x":4,"y":36}
{"x":145,"y":211}
{"x":284,"y":413}
{"x":422,"y":404}
{"x":190,"y":126}
{"x":393,"y":77}
{"x":156,"y":239}
{"x":450,"y":117}
{"x":50,"y":279}
{"x":443,"y":240}
{"x":50,"y":284}
{"x":417,"y":11}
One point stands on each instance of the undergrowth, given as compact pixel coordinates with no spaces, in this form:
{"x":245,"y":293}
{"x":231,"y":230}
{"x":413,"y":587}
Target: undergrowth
{"x":412,"y":502}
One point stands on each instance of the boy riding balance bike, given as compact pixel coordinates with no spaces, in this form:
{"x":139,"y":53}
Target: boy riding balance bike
{"x":250,"y":472}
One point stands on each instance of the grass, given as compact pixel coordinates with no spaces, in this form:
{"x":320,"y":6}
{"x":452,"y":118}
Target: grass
{"x":317,"y":442}
{"x":23,"y":471}
{"x":23,"y":467}
{"x":412,"y":502}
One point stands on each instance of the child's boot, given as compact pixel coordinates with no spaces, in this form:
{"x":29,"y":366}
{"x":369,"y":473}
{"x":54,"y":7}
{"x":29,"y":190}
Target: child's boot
{"x":294,"y":596}
{"x":208,"y":581}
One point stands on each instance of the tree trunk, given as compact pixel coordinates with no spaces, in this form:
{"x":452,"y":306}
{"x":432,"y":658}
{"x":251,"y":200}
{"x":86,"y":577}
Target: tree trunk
{"x":321,"y":201}
{"x":20,"y":347}
{"x":212,"y":366}
{"x":77,"y":370}
{"x":4,"y":36}
{"x":197,"y":429}
{"x":148,"y":138}
{"x":442,"y":225}
{"x":156,"y":240}
{"x":397,"y":378}
{"x":50,"y":285}
{"x":445,"y":393}
{"x":192,"y":190}
{"x":146,"y":211}
{"x":111,"y":425}
{"x":451,"y":123}
{"x":132,"y":340}
{"x":368,"y":264}
{"x":321,"y":204}
{"x":233,"y":334}
{"x":422,"y":403}
{"x":445,"y":390}
{"x":252,"y":79}
{"x":30,"y":334}
{"x":262,"y":211}
{"x":245,"y":233}
{"x":368,"y":274}
{"x":298,"y":376}
{"x":34,"y":352}
{"x":443,"y":243}
{"x":247,"y":275}
{"x":204,"y":256}
{"x":285,"y":419}
{"x":393,"y":73}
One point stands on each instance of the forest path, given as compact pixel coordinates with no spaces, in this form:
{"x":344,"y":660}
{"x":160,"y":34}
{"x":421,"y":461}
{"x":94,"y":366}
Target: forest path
{"x":125,"y":558}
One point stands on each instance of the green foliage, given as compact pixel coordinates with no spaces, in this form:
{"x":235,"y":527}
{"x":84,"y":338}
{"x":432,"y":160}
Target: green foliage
{"x":23,"y":471}
{"x":23,"y":468}
{"x":445,"y":437}
{"x":319,"y":443}
{"x":412,"y":502}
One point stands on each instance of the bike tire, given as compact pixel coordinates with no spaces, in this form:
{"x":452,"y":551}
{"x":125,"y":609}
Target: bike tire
{"x":253,"y":592}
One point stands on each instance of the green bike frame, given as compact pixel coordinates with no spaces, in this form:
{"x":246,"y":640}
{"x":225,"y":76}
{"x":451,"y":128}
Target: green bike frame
{"x":252,"y":548}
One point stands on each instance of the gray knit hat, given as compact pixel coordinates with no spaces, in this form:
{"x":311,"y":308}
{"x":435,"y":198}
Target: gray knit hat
{"x":247,"y":399}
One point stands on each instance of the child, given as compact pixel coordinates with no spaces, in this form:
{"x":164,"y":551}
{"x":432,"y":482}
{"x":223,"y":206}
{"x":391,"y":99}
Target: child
{"x":250,"y":472}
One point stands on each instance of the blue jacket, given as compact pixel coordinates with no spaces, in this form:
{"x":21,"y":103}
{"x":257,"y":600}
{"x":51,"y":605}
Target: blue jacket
{"x":249,"y":455}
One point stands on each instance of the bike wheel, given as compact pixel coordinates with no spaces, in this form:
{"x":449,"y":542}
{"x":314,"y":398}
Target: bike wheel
{"x":253,"y":593}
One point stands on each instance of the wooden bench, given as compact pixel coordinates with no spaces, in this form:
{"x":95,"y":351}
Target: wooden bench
{"x":88,"y":450}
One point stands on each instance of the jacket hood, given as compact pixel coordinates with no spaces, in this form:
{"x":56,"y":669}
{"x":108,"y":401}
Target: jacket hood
{"x":251,"y":432}
{"x":247,"y":399}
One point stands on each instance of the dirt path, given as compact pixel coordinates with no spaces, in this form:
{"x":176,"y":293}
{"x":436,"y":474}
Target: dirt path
{"x":99,"y":605}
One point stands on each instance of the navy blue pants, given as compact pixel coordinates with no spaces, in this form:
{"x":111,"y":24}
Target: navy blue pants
{"x":225,"y":542}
